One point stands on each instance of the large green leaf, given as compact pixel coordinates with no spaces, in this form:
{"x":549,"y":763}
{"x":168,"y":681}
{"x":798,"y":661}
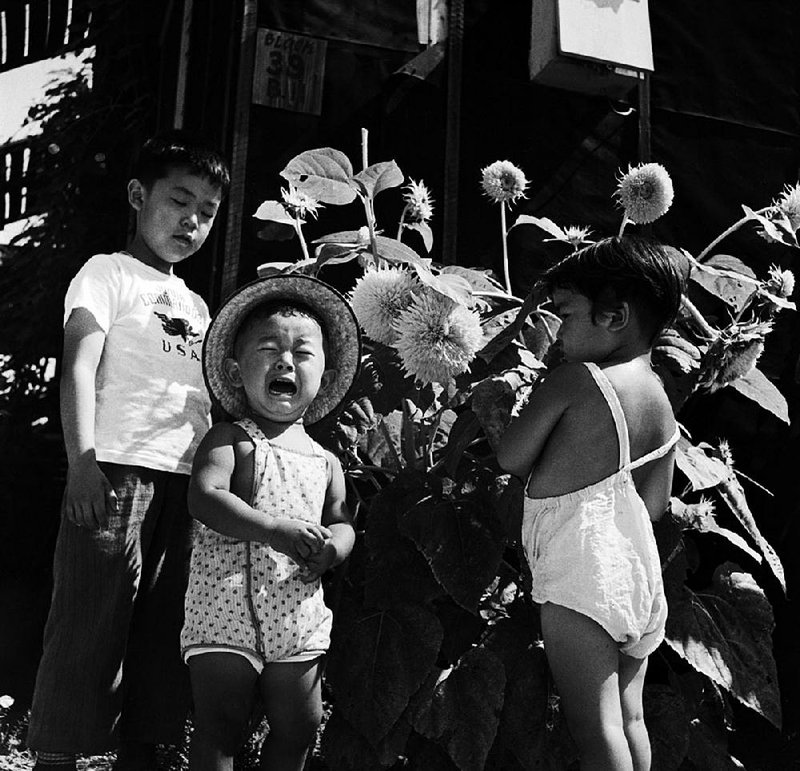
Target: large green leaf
{"x":380,"y":659}
{"x":378,"y":177}
{"x":345,"y":748}
{"x":462,"y":541}
{"x":274,"y":211}
{"x":757,"y":386}
{"x":727,"y":278}
{"x":424,"y":229}
{"x":708,"y":749}
{"x":396,"y":571}
{"x":725,"y":632}
{"x":668,"y":725}
{"x":531,"y":728}
{"x":323,"y":174}
{"x":462,"y":434}
{"x":464,"y":709}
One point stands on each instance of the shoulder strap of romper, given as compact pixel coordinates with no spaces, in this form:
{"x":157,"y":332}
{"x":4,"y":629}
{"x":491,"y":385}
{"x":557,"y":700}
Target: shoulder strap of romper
{"x":610,"y":395}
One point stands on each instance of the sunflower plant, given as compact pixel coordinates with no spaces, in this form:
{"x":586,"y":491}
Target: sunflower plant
{"x":436,"y":660}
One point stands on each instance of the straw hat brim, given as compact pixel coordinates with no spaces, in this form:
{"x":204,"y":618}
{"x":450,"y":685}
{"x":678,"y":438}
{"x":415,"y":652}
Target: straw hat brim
{"x":341,"y":328}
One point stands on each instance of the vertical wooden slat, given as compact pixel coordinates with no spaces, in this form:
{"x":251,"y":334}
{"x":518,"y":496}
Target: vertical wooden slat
{"x":183,"y":64}
{"x":241,"y":136}
{"x":452,"y":150}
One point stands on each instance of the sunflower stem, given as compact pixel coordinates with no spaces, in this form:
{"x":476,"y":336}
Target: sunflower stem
{"x":373,"y":240}
{"x":699,"y":319}
{"x":298,"y":226}
{"x":622,"y":225}
{"x":402,"y":223}
{"x":506,"y":273}
{"x":733,"y":228}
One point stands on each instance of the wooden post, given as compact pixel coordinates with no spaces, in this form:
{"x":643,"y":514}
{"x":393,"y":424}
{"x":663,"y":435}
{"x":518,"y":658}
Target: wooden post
{"x":644,"y":117}
{"x":452,"y":150}
{"x":183,"y":64}
{"x":239,"y":146}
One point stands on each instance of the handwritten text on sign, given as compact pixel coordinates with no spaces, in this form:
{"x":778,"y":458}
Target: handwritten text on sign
{"x":289,"y":71}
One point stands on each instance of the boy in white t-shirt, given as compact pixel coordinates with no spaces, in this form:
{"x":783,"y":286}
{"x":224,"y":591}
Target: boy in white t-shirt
{"x":134,"y":407}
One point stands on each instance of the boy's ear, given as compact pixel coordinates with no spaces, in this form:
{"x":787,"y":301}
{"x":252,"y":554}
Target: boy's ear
{"x":231,"y":369}
{"x":618,"y":317}
{"x":328,"y":379}
{"x":136,"y":194}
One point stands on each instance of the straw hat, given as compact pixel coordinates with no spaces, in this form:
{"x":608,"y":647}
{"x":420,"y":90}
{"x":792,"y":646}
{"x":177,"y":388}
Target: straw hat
{"x":341,"y":329}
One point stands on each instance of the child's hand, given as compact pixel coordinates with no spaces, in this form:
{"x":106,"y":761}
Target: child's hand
{"x":298,"y":539}
{"x":89,"y":499}
{"x":319,"y":562}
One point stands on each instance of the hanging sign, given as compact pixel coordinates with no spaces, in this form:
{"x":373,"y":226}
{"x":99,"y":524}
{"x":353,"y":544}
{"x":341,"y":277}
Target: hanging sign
{"x":289,"y":71}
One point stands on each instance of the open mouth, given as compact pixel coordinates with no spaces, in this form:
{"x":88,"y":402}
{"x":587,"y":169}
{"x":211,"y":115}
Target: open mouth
{"x":282,"y":387}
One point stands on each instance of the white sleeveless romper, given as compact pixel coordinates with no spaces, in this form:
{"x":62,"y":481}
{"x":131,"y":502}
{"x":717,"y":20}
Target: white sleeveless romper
{"x":593,"y":550}
{"x":244,"y":596}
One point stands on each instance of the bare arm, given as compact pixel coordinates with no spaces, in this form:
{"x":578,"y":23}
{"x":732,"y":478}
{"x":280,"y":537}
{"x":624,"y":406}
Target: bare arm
{"x":89,"y":497}
{"x":523,"y":441}
{"x":212,"y":502}
{"x":653,"y":482}
{"x":336,"y":517}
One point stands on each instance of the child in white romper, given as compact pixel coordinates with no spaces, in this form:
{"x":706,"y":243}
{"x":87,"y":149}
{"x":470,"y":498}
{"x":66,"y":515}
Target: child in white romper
{"x":586,"y":529}
{"x":272,"y":502}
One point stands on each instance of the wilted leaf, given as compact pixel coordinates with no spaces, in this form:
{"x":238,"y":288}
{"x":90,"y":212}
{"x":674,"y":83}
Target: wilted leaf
{"x":382,"y":658}
{"x":668,"y":725}
{"x":757,"y":386}
{"x":493,"y":399}
{"x":462,"y":541}
{"x":694,"y":517}
{"x":701,"y":470}
{"x":378,"y":177}
{"x":323,"y":174}
{"x":384,"y":444}
{"x":274,"y":211}
{"x":464,"y":709}
{"x":731,"y":492}
{"x":725,"y":632}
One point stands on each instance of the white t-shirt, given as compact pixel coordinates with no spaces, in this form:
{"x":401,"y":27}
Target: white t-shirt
{"x":152,"y":406}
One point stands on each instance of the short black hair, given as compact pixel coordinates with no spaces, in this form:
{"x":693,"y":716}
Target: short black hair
{"x":280,"y":307}
{"x":626,"y":268}
{"x":177,"y":148}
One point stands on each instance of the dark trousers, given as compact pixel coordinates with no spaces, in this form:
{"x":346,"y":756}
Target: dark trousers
{"x":111,"y":667}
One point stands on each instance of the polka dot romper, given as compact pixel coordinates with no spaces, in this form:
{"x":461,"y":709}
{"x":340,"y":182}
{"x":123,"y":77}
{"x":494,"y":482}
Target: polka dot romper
{"x":245,"y":596}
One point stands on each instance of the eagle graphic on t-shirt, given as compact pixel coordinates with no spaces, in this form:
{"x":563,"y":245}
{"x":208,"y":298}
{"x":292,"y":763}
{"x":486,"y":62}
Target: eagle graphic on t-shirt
{"x":178,"y":327}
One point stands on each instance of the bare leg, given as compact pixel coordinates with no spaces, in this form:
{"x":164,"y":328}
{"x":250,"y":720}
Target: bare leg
{"x":631,"y":685}
{"x":584,"y":661}
{"x":223,"y":686}
{"x":292,"y":696}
